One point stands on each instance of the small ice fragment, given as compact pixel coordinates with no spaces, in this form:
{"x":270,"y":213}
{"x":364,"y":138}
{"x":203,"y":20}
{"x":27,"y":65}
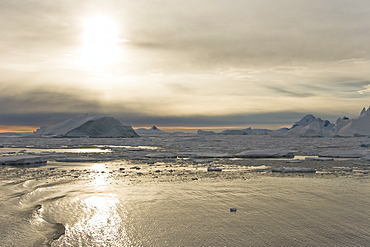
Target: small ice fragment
{"x":232,"y":209}
{"x":210,"y":169}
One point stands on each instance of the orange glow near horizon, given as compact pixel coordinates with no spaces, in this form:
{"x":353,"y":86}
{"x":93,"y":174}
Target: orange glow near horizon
{"x":213,"y":128}
{"x":17,"y":129}
{"x":25,"y":129}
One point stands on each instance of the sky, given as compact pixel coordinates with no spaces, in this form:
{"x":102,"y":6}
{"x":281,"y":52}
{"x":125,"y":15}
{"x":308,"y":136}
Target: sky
{"x":208,"y":64}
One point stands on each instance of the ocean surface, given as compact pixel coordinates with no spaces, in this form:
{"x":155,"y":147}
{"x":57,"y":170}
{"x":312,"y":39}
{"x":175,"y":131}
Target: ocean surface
{"x":270,"y":212}
{"x":169,"y":202}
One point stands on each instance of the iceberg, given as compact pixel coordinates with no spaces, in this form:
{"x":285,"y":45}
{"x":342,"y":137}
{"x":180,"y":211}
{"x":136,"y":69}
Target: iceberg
{"x":206,"y":132}
{"x":360,"y":126}
{"x":87,"y":126}
{"x":310,"y":126}
{"x":247,"y":131}
{"x":153,"y":131}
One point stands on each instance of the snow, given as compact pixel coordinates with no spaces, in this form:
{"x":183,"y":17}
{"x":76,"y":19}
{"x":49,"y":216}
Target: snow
{"x":87,"y":126}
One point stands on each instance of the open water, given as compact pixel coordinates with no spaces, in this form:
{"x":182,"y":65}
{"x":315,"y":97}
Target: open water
{"x":100,"y":211}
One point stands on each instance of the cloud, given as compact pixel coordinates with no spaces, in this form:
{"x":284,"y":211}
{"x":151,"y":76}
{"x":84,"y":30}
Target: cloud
{"x":46,"y":101}
{"x":185,"y":59}
{"x":291,"y":93}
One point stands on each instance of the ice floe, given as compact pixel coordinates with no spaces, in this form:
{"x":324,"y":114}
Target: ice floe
{"x":22,"y":160}
{"x":266,"y":153}
{"x":293,"y":169}
{"x":343,"y":153}
{"x":318,"y":159}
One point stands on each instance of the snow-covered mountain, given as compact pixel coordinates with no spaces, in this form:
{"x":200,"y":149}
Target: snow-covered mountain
{"x":153,"y":131}
{"x":87,"y":126}
{"x":354,"y":127}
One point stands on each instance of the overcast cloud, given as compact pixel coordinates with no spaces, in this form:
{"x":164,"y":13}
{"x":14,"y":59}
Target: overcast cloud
{"x":190,"y":63}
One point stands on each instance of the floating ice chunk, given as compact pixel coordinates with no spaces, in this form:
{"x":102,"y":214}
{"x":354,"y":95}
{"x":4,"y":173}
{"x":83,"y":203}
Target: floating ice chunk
{"x":161,"y":155}
{"x":294,"y":169}
{"x":266,"y":153}
{"x":318,"y":159}
{"x":213,"y":169}
{"x":210,"y":155}
{"x":82,"y":159}
{"x":365,"y":158}
{"x":201,"y":161}
{"x":343,"y":153}
{"x":295,"y":161}
{"x":22,"y":160}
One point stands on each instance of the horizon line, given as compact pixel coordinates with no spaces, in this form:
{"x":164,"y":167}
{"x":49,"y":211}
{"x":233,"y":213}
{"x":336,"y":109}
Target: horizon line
{"x":29,"y":129}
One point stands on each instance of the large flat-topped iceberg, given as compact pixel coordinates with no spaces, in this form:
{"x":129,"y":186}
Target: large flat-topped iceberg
{"x":87,"y":126}
{"x":22,"y":160}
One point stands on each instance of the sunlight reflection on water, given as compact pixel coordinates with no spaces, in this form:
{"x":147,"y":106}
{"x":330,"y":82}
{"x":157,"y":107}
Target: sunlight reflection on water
{"x":102,"y":224}
{"x":102,"y":218}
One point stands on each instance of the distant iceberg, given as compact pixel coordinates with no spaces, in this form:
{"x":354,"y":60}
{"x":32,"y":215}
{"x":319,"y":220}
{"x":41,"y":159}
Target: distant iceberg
{"x":87,"y":126}
{"x":354,"y":127}
{"x":153,"y":131}
{"x":308,"y":126}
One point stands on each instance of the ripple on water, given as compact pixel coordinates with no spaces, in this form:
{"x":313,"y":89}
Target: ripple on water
{"x":102,"y":211}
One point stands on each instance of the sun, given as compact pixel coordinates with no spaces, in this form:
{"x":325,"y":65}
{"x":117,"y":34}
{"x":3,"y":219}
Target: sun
{"x":100,"y":40}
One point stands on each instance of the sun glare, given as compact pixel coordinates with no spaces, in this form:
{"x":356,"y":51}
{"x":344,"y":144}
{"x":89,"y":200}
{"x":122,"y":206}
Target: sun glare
{"x":100,"y":40}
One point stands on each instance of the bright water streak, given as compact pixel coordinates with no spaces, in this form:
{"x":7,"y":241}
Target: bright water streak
{"x":103,"y":212}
